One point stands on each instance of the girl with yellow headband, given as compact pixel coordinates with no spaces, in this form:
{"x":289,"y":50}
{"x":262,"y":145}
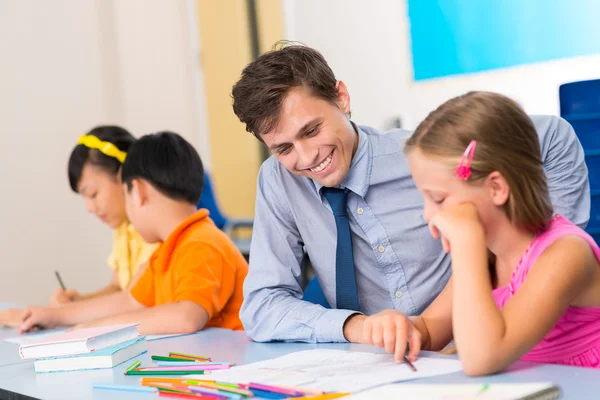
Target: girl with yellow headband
{"x":94,"y":173}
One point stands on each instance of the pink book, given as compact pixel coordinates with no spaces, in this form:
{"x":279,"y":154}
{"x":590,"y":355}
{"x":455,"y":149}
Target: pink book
{"x":80,"y":341}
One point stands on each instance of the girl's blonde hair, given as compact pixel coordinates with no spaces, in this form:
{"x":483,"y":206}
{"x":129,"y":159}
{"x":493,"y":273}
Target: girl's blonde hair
{"x":506,"y":142}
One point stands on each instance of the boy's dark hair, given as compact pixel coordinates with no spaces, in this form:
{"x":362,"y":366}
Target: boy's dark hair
{"x":258,"y":95}
{"x":82,"y":155}
{"x":169,"y":163}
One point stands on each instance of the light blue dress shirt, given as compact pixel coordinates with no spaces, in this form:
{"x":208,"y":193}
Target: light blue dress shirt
{"x":398,"y":264}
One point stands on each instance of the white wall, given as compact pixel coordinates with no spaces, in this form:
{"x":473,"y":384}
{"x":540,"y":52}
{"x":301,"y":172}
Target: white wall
{"x":368,"y":46}
{"x":68,"y":65}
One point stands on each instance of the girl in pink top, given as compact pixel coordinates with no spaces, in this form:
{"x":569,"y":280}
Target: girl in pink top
{"x":525,"y":282}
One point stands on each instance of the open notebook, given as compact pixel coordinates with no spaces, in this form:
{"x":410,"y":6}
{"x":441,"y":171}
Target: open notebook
{"x":496,"y":391}
{"x":79,"y":341}
{"x":105,"y":358}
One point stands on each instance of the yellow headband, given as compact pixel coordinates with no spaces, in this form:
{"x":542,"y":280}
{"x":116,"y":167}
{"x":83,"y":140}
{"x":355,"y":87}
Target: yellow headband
{"x":106,"y":148}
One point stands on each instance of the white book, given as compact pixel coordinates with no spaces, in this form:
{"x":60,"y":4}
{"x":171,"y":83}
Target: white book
{"x":105,"y":358}
{"x":79,"y":341}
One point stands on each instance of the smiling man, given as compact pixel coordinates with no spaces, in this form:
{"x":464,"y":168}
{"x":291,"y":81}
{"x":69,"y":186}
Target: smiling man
{"x":344,"y":193}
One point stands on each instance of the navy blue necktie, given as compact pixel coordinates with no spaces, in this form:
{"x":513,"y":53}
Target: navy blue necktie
{"x":345,"y":277}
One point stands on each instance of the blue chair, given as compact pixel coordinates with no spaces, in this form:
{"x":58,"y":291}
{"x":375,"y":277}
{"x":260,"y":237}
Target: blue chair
{"x":580,"y":106}
{"x":230,"y":226}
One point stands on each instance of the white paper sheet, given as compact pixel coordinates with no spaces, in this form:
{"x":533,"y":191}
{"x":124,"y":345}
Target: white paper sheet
{"x":497,"y":391}
{"x":335,"y":370}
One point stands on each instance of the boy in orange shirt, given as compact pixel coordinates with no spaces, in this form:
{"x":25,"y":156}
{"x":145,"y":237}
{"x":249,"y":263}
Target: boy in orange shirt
{"x":194,"y":279}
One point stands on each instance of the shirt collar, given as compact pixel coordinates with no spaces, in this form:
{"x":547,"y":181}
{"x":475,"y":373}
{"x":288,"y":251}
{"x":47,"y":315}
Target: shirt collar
{"x":359,"y":175}
{"x":164,"y":252}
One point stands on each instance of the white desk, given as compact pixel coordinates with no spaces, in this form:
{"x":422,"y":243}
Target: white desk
{"x":19,"y":381}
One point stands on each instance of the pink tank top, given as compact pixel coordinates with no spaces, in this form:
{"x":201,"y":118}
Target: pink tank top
{"x":575,"y":339}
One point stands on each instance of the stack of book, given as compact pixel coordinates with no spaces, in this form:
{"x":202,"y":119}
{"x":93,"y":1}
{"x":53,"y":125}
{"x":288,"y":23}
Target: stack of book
{"x":87,"y":348}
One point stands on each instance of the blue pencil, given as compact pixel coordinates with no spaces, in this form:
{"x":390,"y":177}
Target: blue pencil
{"x":129,"y":388}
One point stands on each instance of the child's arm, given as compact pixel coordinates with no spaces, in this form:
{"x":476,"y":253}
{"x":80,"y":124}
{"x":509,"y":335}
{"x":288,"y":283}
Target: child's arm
{"x":181,"y":317}
{"x":488,"y":339}
{"x":78,"y":312}
{"x":435,"y":324}
{"x":112,"y":287}
{"x":61,"y":296}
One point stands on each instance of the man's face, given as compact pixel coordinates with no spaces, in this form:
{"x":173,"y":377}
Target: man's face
{"x":314,"y":138}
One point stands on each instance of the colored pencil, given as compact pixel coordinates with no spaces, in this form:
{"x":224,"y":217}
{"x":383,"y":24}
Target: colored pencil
{"x":215,"y":393}
{"x":185,"y":368}
{"x":226,"y":384}
{"x":132,"y":366}
{"x":163,"y":393}
{"x":274,"y":389}
{"x":270,"y":395}
{"x":171,"y":387}
{"x":191,"y":362}
{"x":241,"y":392}
{"x":173,"y":359}
{"x":309,"y":392}
{"x":175,"y":354}
{"x":136,"y":372}
{"x":181,"y":381}
{"x":128,"y":388}
{"x":327,"y":396}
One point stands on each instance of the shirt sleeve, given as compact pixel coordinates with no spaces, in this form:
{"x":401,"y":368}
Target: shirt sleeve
{"x":204,"y":277}
{"x":566,"y":171}
{"x":143,"y":290}
{"x":272,"y":308}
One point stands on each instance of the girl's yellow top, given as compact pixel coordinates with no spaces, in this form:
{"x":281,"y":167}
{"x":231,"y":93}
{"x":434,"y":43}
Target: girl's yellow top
{"x":128,"y":253}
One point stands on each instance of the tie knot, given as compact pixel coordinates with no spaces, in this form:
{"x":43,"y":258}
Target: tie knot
{"x":337,"y":200}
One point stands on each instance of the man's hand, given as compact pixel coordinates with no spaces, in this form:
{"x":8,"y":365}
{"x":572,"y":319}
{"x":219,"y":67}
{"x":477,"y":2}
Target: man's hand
{"x":64,"y":296}
{"x":38,"y":317}
{"x":388,"y":329}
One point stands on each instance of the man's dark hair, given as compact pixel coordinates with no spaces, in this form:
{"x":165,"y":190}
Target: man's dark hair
{"x":169,"y":163}
{"x":259,"y":94}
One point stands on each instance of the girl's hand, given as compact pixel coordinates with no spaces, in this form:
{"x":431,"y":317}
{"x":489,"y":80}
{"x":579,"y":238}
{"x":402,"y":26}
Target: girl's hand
{"x":455,"y":223}
{"x":61,"y":297}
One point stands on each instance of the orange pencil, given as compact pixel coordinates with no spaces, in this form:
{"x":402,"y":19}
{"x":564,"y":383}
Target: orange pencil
{"x":175,"y":380}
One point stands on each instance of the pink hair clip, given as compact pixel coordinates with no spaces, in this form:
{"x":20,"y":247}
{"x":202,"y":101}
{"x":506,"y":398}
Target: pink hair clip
{"x":463,"y":171}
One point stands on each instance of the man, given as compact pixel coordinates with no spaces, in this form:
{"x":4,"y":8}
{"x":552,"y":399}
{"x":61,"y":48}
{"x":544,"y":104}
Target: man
{"x":344,"y":194}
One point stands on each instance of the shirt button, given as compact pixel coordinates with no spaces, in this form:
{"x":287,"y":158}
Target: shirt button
{"x":398,"y":294}
{"x":360,"y":211}
{"x":381,"y":249}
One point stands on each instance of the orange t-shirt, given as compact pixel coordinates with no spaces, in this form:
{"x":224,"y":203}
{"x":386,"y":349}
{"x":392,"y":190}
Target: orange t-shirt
{"x":199,"y":263}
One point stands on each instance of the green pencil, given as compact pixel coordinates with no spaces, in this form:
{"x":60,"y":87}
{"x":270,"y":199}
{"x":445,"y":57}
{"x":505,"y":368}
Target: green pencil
{"x":163,"y":358}
{"x":136,"y":372}
{"x":133,"y":366}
